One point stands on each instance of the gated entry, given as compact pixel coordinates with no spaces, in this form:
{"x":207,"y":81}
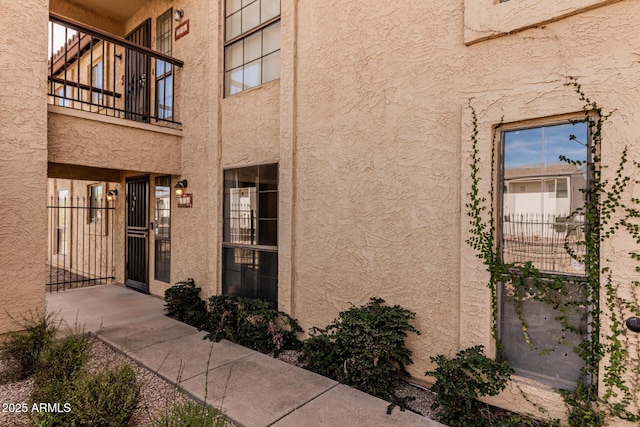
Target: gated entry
{"x":137,"y":271}
{"x":80,"y":242}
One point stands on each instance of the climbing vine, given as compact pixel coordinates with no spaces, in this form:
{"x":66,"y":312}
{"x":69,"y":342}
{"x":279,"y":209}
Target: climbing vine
{"x":593,"y":306}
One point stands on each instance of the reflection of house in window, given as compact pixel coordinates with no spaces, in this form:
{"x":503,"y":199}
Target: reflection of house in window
{"x":554,"y":193}
{"x":542,"y":223}
{"x":250,"y":245}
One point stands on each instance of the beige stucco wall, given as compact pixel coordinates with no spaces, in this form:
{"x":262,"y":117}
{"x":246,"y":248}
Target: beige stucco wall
{"x":370,"y":126}
{"x":89,"y":139}
{"x":23,"y":159}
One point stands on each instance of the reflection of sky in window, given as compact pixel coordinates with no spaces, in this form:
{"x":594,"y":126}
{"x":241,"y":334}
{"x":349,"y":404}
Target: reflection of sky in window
{"x":544,"y":145}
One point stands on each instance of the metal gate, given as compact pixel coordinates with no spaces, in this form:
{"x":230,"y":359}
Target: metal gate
{"x":80,"y":243}
{"x":137,"y":270}
{"x":137,"y":75}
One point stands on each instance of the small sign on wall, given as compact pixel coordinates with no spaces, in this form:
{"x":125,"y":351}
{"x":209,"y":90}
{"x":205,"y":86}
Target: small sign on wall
{"x":182,"y":30}
{"x":185,"y":201}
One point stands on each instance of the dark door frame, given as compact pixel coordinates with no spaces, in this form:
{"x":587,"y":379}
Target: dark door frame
{"x":137,"y":75}
{"x":137,"y":229}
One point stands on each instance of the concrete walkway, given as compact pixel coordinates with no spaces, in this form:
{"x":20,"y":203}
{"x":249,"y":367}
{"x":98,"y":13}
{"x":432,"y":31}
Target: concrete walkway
{"x":254,"y":389}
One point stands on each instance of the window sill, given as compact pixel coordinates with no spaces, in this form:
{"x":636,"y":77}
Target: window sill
{"x":487,"y":19}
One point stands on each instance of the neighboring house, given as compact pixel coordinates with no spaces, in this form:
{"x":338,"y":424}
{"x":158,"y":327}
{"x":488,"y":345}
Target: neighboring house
{"x":322,"y":150}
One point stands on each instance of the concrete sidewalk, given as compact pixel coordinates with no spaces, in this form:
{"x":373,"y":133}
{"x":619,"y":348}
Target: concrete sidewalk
{"x":254,"y":389}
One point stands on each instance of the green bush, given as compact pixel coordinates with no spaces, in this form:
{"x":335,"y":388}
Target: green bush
{"x":182,"y":302}
{"x":251,"y":323}
{"x":23,"y":350}
{"x":461,"y":380}
{"x":64,"y":360}
{"x":104,"y":399}
{"x":364,"y":348}
{"x":191,"y":414}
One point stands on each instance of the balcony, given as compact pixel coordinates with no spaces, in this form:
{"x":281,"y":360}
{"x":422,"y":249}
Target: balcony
{"x":91,"y":70}
{"x":111,"y":100}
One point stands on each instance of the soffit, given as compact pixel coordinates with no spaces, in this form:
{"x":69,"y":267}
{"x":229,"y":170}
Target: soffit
{"x":117,"y":9}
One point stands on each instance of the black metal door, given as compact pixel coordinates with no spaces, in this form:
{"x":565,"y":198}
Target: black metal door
{"x":136,"y":75}
{"x":137,"y":272}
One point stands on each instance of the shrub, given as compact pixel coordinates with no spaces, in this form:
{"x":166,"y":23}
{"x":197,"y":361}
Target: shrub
{"x":252,"y":323}
{"x":461,"y":380}
{"x":24,"y":349}
{"x":104,"y":399}
{"x":364,"y":347}
{"x":64,"y":360}
{"x":183,"y":303}
{"x":191,"y":414}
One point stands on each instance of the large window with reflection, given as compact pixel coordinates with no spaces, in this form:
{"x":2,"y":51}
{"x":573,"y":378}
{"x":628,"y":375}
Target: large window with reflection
{"x":252,"y":44}
{"x":250,"y":238}
{"x":162,"y":229}
{"x":544,"y":180}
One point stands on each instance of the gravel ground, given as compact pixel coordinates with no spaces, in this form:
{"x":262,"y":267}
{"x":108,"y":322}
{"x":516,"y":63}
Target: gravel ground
{"x":158,"y":395}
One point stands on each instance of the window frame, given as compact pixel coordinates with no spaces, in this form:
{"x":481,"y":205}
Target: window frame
{"x":168,"y":74}
{"x":242,"y":36}
{"x":252,"y":249}
{"x":575,"y":279}
{"x":162,"y":271}
{"x":97,"y":83}
{"x":94,"y":213}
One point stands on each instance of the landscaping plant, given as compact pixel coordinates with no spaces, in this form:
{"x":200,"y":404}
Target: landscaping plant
{"x":182,"y":302}
{"x":23,"y":350}
{"x":252,"y":323}
{"x":364,"y":347}
{"x":461,"y":380}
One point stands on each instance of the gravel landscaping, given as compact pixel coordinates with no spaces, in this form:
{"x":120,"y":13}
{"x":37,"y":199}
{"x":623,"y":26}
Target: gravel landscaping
{"x":158,"y":395}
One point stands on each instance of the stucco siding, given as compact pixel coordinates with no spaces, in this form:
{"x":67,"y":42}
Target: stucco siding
{"x":87,"y":139}
{"x":23,"y":159}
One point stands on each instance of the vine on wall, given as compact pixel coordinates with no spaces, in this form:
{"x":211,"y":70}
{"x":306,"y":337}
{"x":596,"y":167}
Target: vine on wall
{"x":600,"y":300}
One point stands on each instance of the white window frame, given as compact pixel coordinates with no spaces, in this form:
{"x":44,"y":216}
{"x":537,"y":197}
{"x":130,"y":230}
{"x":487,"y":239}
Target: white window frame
{"x":254,"y":68}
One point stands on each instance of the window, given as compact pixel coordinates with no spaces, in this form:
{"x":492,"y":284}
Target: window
{"x":162,"y":229}
{"x":252,"y":44}
{"x":63,"y":96}
{"x":63,"y":213}
{"x":97,"y":82}
{"x":250,"y":241}
{"x":541,"y":218}
{"x":164,"y":70}
{"x":95,"y":203}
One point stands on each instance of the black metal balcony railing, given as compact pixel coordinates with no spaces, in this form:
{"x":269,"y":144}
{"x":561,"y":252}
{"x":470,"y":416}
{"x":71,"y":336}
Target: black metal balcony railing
{"x":95,"y":71}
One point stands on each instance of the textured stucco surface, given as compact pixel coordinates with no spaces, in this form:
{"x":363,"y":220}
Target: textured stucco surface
{"x":86,"y":139}
{"x":370,"y":126}
{"x":23,"y":158}
{"x":489,"y":18}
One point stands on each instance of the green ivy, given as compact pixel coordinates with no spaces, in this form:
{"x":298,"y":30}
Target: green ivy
{"x":607,"y":213}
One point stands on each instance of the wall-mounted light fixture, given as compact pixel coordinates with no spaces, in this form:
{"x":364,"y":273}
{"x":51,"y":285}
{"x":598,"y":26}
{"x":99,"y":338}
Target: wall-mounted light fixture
{"x":178,"y":14}
{"x":633,"y":323}
{"x":111,"y":195}
{"x":180,"y":186}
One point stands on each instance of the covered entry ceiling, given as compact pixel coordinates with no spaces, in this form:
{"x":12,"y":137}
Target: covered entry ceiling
{"x":118,"y":9}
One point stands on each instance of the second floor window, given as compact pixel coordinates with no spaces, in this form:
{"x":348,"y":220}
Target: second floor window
{"x":164,"y":70}
{"x":252,"y":44}
{"x":97,"y":82}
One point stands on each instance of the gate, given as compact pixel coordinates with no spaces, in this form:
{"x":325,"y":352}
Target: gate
{"x":137,"y":267}
{"x":80,"y":243}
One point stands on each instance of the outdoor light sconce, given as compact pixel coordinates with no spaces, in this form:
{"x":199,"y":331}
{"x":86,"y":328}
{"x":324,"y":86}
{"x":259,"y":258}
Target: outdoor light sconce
{"x":111,"y":195}
{"x":633,"y":323}
{"x":178,"y":14}
{"x":180,"y":186}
